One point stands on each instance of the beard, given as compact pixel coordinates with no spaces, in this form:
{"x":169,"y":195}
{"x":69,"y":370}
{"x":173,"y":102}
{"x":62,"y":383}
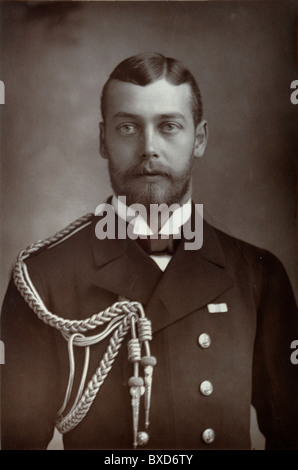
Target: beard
{"x":132,"y":183}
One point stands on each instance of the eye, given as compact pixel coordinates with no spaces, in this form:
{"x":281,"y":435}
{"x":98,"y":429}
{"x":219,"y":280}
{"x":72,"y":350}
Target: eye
{"x":170,"y":127}
{"x":127,"y":129}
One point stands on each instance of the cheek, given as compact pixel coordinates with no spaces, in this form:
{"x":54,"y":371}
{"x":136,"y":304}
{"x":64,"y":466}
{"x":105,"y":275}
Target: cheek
{"x":122,"y":151}
{"x":181,"y":152}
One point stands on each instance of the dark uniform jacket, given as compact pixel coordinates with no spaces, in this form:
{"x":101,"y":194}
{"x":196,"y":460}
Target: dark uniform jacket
{"x":248,"y":360}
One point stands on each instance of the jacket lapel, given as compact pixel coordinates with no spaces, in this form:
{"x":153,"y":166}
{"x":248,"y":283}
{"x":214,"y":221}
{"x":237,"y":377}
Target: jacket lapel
{"x":122,"y":267}
{"x":192,"y":279}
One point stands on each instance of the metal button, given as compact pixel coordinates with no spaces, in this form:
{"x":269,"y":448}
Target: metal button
{"x":204,"y":340}
{"x":208,"y":436}
{"x":206,"y":388}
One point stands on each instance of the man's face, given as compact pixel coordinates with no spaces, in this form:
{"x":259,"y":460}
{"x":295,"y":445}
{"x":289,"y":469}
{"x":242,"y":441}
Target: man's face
{"x":150,"y":140}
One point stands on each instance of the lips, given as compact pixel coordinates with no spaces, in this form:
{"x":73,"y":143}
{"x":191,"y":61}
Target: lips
{"x":152,"y":173}
{"x":150,"y":177}
{"x":153,"y":176}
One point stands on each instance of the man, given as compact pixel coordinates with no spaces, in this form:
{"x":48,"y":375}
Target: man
{"x":223,"y":315}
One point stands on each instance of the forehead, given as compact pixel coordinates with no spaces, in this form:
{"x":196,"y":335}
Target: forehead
{"x":158,"y":98}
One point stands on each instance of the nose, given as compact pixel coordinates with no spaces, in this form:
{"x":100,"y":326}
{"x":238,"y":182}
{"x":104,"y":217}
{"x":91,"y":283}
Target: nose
{"x":150,"y":143}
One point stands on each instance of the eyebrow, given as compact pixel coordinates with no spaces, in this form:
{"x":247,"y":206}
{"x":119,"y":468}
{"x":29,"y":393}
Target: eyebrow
{"x":125,"y":115}
{"x":172,"y":116}
{"x":122,"y":114}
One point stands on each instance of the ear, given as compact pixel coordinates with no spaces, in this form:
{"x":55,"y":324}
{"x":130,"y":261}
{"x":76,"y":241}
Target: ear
{"x":102,"y":145}
{"x":201,"y":139}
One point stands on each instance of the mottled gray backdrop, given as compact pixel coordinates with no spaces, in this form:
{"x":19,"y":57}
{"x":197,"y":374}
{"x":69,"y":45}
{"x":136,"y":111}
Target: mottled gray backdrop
{"x":54,"y":60}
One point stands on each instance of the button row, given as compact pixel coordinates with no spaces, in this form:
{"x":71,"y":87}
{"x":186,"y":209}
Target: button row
{"x":206,"y":388}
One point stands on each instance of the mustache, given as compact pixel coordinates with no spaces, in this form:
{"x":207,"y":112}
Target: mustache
{"x":150,"y":168}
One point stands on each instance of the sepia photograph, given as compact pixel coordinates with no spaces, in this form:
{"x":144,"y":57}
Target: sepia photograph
{"x":149,"y":226}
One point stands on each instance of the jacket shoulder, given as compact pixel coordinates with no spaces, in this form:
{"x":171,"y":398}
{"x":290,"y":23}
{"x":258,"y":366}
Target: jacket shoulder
{"x":251,"y":254}
{"x":59,"y":255}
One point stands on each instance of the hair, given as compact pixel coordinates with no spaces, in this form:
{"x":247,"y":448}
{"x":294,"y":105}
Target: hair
{"x":146,"y":68}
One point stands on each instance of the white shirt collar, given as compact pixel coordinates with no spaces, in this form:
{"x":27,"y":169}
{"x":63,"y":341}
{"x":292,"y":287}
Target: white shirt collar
{"x":172,"y":226}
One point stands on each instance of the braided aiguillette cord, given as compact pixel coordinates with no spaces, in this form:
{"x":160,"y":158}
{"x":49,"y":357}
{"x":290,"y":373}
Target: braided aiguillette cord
{"x":75,"y":416}
{"x":121,"y":317}
{"x":72,"y":371}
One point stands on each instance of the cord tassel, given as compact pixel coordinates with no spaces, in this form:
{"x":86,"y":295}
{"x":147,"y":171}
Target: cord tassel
{"x":136,"y":390}
{"x":148,"y":362}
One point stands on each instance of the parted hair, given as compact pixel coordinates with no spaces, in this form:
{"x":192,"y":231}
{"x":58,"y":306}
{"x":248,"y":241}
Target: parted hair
{"x":146,"y":68}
